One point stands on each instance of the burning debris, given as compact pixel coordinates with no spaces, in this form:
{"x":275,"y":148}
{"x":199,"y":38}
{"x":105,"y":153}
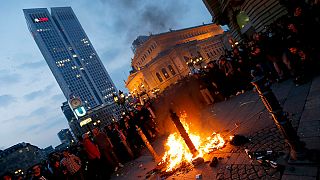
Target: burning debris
{"x":186,"y":148}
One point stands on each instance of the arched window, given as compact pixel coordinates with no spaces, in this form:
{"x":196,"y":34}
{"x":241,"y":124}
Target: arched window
{"x":159,"y":77}
{"x":165,"y":73}
{"x":171,"y":70}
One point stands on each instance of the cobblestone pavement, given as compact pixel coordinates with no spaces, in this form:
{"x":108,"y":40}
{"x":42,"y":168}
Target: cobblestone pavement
{"x":246,"y":115}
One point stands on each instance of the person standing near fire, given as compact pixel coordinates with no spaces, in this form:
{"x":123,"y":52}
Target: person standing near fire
{"x":105,"y":147}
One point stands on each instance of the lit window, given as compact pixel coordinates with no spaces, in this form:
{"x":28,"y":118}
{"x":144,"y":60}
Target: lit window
{"x":165,"y":73}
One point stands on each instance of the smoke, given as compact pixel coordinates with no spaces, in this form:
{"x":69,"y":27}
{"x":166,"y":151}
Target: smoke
{"x":142,"y":17}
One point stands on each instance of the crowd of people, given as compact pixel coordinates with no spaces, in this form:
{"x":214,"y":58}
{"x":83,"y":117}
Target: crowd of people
{"x":100,"y":152}
{"x":288,"y":48}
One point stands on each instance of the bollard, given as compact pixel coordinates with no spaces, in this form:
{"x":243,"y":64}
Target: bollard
{"x":297,"y":149}
{"x":147,"y":143}
{"x":183,"y":133}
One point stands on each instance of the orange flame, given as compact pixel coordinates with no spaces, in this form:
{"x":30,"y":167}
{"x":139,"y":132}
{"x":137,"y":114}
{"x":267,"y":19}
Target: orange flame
{"x":178,"y":151}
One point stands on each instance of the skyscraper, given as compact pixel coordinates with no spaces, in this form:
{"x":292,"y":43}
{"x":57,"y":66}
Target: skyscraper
{"x":65,"y":136}
{"x":70,"y":55}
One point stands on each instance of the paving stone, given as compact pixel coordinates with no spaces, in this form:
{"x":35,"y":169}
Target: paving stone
{"x":276,"y":175}
{"x":244,"y":176}
{"x":243,"y":159}
{"x":220,"y":177}
{"x":227,"y":174}
{"x":233,"y":158}
{"x":271,"y":171}
{"x":265,"y":177}
{"x":242,"y":171}
{"x":234,"y":176}
{"x":252,"y":176}
{"x":250,"y":171}
{"x":261,"y":173}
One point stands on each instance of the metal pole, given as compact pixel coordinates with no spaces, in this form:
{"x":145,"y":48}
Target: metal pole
{"x":297,"y":149}
{"x":183,"y":133}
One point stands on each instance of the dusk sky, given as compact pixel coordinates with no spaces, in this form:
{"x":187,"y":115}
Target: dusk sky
{"x":30,"y":97}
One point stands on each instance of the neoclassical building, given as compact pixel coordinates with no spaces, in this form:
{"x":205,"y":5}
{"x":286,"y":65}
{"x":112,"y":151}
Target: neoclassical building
{"x":162,"y":59}
{"x":244,"y":17}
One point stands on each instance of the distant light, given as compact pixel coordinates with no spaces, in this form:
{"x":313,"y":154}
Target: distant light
{"x":86,"y":121}
{"x":42,"y":19}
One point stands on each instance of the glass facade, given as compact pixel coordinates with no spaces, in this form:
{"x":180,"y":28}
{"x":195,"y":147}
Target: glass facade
{"x":70,"y":55}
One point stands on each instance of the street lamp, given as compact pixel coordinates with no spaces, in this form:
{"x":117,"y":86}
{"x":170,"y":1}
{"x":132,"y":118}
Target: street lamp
{"x":120,"y":99}
{"x":195,"y":62}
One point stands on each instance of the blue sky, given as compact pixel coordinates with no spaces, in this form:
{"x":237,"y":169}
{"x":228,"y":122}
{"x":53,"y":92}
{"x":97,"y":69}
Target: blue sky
{"x":30,"y":98}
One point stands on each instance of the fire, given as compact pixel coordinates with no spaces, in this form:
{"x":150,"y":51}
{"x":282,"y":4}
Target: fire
{"x":178,"y":153}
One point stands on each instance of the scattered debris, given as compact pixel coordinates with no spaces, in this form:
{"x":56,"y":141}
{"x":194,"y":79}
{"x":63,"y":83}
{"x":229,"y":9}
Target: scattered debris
{"x":266,"y":158}
{"x":199,"y":176}
{"x":239,"y":140}
{"x":214,"y":162}
{"x":198,"y":161}
{"x":141,"y":165}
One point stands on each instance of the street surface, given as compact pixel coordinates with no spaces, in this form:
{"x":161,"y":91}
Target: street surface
{"x":245,"y":114}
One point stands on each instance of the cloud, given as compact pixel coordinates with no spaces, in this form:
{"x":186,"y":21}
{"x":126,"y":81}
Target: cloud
{"x":40,"y":112}
{"x":58,"y":98}
{"x":39,"y":126}
{"x":7,"y":77}
{"x":33,"y":65}
{"x":33,"y":95}
{"x":144,"y":16}
{"x":6,"y":100}
{"x":40,"y":93}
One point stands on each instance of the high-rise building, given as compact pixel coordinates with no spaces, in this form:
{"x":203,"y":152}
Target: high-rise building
{"x":70,"y":55}
{"x":65,"y":136}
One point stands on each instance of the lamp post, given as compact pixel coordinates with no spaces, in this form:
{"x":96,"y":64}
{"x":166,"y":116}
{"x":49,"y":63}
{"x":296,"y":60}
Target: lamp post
{"x":195,"y":62}
{"x":297,"y":149}
{"x":120,"y":99}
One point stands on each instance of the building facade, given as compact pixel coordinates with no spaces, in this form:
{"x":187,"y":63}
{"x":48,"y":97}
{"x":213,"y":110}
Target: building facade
{"x":244,"y":17}
{"x":72,"y":120}
{"x":100,"y":116}
{"x":70,"y":55}
{"x":161,"y":60}
{"x":65,"y":136}
{"x":18,"y":158}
